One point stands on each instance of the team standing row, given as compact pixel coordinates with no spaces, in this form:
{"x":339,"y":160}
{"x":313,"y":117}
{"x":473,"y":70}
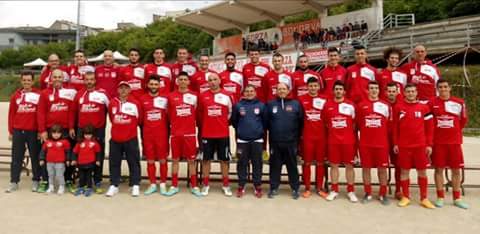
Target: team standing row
{"x":393,"y":115}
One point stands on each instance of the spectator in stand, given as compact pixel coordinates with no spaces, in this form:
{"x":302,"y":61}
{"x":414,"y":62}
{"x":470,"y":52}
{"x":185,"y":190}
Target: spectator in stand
{"x":356,"y":29}
{"x":364,"y":27}
{"x":296,"y":38}
{"x":339,"y":33}
{"x":331,"y":34}
{"x":345,"y":30}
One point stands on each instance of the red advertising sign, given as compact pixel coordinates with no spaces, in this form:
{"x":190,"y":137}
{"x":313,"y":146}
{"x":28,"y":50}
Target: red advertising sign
{"x":316,"y":55}
{"x":289,"y":29}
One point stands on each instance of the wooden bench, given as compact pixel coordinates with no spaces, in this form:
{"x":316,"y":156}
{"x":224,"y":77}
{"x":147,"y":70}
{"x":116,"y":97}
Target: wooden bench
{"x":6,"y":159}
{"x":390,"y":169}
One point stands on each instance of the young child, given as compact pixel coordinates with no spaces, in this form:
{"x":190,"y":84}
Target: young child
{"x":86,"y":154}
{"x":55,"y":151}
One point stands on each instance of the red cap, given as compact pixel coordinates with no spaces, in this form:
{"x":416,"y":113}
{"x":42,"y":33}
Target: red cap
{"x":123,"y":83}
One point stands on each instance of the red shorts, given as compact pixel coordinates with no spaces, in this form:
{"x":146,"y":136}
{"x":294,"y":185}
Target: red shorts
{"x":184,"y":146}
{"x":413,"y":157}
{"x":447,"y":155}
{"x":313,"y":150}
{"x":373,"y":157}
{"x":155,"y":148}
{"x":341,"y":154}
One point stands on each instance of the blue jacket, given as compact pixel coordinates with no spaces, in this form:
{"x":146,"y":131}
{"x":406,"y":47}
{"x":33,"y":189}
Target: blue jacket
{"x":249,"y":119}
{"x":285,"y":120}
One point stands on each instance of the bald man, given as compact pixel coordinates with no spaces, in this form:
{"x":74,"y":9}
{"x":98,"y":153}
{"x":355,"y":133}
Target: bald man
{"x":422,"y":72}
{"x":46,"y":75}
{"x":107,"y":74}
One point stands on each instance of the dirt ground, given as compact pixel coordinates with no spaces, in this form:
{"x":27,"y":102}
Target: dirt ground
{"x":27,"y":212}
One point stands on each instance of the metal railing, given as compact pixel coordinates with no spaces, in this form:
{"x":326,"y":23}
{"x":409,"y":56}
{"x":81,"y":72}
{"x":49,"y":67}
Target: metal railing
{"x":398,"y":20}
{"x":389,"y":21}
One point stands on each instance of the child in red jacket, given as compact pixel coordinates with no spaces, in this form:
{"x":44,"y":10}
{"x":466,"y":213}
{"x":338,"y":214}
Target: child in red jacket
{"x":85,"y":155}
{"x":55,"y":151}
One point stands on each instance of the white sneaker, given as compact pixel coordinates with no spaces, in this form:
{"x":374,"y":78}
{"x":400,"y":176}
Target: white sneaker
{"x":12,"y":188}
{"x":353,"y":198}
{"x":227,"y":191}
{"x":331,"y":196}
{"x":205,"y":190}
{"x":50,"y":190}
{"x":135,"y":191}
{"x":112,"y":190}
{"x":163,"y":189}
{"x":61,"y":189}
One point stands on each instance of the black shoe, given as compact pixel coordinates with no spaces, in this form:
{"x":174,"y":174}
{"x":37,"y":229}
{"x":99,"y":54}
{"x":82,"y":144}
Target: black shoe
{"x":295,"y":194}
{"x":272,"y":193}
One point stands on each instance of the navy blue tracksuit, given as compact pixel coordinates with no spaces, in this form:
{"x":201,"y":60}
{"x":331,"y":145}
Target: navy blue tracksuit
{"x":285,"y":119}
{"x":249,"y":120}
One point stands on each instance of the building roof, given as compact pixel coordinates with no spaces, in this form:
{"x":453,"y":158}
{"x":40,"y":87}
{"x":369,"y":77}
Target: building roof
{"x":241,"y":13}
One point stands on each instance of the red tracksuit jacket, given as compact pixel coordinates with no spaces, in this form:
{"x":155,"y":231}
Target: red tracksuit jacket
{"x":339,"y":121}
{"x":89,"y":107}
{"x":155,"y":121}
{"x":77,"y":73}
{"x":425,"y":75}
{"x":233,"y":82}
{"x":199,"y":81}
{"x":134,"y":75}
{"x":23,"y":110}
{"x":358,"y":76}
{"x":330,"y":75}
{"x":272,"y":78}
{"x":214,"y":112}
{"x":125,"y":118}
{"x":397,"y":76}
{"x":189,"y":67}
{"x":450,"y":117}
{"x":107,"y":79}
{"x":254,"y":75}
{"x":300,"y":79}
{"x":163,"y":70}
{"x":374,"y":120}
{"x":55,"y":107}
{"x":413,"y":125}
{"x":55,"y":151}
{"x":313,"y":125}
{"x":45,"y":77}
{"x":182,"y":109}
{"x":86,"y":152}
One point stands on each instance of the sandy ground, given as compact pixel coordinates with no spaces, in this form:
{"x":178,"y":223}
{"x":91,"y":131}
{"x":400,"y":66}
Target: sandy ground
{"x":27,"y":212}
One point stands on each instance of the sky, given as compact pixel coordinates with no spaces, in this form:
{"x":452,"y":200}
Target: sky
{"x":104,"y":14}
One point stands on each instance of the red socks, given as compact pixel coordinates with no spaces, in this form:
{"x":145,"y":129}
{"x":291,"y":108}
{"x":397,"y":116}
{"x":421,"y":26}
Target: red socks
{"x":163,"y":172}
{"x":397,"y":180}
{"x":456,"y":195}
{"x":174,"y":179}
{"x":226,"y":181}
{"x":367,"y":188}
{"x":335,"y":188}
{"x":405,"y":184}
{"x":151,"y":173}
{"x":193,"y":181}
{"x":350,"y":188}
{"x":383,"y":190}
{"x":422,"y":183}
{"x":306,"y":175}
{"x":441,"y":194}
{"x":205,"y":181}
{"x":320,"y":173}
